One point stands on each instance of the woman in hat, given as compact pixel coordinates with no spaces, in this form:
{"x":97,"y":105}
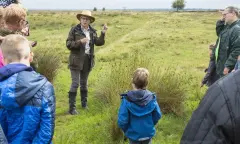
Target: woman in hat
{"x":80,"y":42}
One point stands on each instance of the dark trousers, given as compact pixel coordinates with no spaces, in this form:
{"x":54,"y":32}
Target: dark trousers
{"x":80,"y":76}
{"x":141,"y":142}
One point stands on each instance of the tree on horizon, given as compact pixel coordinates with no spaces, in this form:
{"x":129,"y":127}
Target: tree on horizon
{"x":178,"y":4}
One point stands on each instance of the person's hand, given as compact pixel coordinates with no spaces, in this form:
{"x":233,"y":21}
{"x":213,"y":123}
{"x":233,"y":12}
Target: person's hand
{"x":31,"y":57}
{"x":222,"y":18}
{"x":104,"y":28}
{"x":225,"y":71}
{"x":84,"y":40}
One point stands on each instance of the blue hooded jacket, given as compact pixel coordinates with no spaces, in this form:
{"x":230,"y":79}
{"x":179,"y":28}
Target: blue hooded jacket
{"x":138,"y":113}
{"x":27,"y":105}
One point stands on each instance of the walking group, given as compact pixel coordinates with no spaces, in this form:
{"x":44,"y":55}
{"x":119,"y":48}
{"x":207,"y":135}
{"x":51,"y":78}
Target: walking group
{"x":27,"y":99}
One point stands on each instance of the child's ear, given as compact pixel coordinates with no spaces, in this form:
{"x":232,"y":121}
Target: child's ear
{"x":31,"y":57}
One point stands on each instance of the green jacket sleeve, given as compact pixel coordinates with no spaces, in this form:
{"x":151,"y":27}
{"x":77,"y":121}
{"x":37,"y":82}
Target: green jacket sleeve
{"x":234,"y":48}
{"x":99,"y":41}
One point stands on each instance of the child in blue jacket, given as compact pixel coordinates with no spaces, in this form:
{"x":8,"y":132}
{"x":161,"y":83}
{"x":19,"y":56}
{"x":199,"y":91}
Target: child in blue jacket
{"x":139,"y":111}
{"x":27,"y":99}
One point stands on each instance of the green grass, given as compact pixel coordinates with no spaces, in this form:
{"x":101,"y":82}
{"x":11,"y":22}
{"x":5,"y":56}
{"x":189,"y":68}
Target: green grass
{"x":176,"y":40}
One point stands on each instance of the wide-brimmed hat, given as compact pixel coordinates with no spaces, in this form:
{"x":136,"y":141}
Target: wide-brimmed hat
{"x":86,"y":13}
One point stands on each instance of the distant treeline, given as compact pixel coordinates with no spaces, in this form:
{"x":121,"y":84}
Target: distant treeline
{"x":188,"y":10}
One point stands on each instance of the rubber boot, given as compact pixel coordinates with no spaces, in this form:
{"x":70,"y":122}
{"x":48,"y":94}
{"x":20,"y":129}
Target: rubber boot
{"x":84,"y":95}
{"x":72,"y":103}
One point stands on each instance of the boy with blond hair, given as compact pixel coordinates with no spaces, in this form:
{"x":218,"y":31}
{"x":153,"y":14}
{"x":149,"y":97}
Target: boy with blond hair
{"x":139,"y":111}
{"x":27,"y":99}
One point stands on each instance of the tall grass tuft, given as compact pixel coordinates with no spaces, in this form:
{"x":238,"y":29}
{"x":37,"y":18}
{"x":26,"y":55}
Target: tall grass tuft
{"x":169,"y":86}
{"x":48,"y":63}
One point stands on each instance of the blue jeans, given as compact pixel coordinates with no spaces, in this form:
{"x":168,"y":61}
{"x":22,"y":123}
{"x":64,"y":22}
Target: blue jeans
{"x":141,"y":142}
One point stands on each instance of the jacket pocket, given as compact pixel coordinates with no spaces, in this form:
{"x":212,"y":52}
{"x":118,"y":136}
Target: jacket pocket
{"x":74,"y":61}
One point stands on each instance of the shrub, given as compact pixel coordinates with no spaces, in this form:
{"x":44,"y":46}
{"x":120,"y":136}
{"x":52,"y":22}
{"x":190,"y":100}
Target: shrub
{"x":47,"y":62}
{"x":168,"y":84}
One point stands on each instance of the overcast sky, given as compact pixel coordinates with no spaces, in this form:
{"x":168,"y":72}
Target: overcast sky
{"x":119,"y":4}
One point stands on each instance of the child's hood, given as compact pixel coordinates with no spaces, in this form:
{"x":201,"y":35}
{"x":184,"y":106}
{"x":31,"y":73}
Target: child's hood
{"x":18,"y":85}
{"x":140,"y":102}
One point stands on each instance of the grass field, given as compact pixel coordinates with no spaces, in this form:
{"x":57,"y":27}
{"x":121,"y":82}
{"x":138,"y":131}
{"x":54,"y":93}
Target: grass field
{"x":165,"y":39}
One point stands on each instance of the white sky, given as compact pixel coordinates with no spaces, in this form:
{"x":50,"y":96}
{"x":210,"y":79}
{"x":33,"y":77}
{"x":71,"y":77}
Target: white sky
{"x":119,"y":4}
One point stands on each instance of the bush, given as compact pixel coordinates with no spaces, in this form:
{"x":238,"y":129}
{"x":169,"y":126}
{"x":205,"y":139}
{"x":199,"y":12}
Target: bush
{"x":48,"y":62}
{"x":168,"y":84}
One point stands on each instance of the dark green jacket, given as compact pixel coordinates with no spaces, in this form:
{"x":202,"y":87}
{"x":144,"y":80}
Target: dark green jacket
{"x":77,"y":49}
{"x":229,"y":48}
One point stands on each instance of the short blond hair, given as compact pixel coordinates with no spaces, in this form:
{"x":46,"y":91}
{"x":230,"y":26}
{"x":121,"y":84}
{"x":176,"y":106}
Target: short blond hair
{"x":140,"y":78}
{"x":13,"y":14}
{"x":15,"y":47}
